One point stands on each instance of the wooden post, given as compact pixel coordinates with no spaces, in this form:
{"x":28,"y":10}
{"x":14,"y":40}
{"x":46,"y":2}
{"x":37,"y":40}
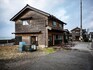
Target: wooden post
{"x":62,"y":40}
{"x":53,"y":40}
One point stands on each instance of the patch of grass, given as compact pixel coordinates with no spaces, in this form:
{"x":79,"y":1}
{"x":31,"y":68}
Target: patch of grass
{"x":49,"y":50}
{"x":9,"y":52}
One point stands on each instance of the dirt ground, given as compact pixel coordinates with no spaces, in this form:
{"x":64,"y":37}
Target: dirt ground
{"x":11,"y":54}
{"x":39,"y":60}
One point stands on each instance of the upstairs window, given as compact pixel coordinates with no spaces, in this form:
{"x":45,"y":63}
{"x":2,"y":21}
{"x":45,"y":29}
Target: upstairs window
{"x":54,"y":23}
{"x":25,"y":22}
{"x":77,"y":32}
{"x":60,"y":25}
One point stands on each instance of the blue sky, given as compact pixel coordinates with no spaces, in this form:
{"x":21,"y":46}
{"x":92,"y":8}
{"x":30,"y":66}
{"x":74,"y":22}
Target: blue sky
{"x":66,"y":10}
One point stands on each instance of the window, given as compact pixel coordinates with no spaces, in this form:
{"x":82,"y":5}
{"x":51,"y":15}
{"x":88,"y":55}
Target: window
{"x":25,"y":22}
{"x":60,"y":25}
{"x":50,"y":38}
{"x":54,"y":23}
{"x":18,"y":38}
{"x":58,"y":37}
{"x":77,"y":32}
{"x":33,"y":39}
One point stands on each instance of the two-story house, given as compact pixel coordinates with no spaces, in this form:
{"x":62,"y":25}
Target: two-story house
{"x":76,"y":34}
{"x":91,"y":36}
{"x":36,"y":26}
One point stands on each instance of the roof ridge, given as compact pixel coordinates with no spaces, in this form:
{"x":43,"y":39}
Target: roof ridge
{"x":36,"y":10}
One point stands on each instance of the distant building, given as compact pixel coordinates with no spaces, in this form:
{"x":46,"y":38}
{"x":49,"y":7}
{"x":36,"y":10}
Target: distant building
{"x":36,"y":26}
{"x":91,"y":36}
{"x":66,"y":35}
{"x":76,"y":34}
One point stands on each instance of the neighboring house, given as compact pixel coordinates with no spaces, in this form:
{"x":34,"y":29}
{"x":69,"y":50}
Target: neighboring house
{"x":70,"y":36}
{"x":34,"y":26}
{"x":66,"y":35}
{"x":91,"y":36}
{"x":76,"y":34}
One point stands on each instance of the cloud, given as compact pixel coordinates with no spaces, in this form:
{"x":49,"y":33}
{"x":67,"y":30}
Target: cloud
{"x":10,"y":7}
{"x":44,"y":4}
{"x":49,"y":6}
{"x":7,"y":10}
{"x":90,"y":25}
{"x":89,"y":20}
{"x":62,"y":15}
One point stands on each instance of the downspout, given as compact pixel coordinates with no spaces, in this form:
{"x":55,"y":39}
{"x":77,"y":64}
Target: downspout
{"x":46,"y":23}
{"x":63,"y":37}
{"x":45,"y":33}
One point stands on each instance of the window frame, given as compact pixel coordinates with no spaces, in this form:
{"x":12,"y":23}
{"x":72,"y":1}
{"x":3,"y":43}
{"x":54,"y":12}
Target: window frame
{"x":25,"y":22}
{"x":54,"y":23}
{"x":60,"y":25}
{"x":18,"y":38}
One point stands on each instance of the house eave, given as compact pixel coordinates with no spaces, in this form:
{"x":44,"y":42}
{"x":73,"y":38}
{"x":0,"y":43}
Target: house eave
{"x":55,"y":18}
{"x":28,"y":7}
{"x":36,"y":10}
{"x":27,"y":32}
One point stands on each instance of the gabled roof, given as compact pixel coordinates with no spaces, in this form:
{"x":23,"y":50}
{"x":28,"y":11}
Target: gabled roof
{"x":66,"y":30}
{"x":91,"y":33}
{"x":36,"y":10}
{"x":75,"y":28}
{"x":32,"y":32}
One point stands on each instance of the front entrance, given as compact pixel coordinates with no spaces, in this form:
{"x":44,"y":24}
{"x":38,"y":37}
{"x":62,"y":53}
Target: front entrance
{"x":77,"y":38}
{"x":50,"y":40}
{"x":54,"y":39}
{"x":33,"y":40}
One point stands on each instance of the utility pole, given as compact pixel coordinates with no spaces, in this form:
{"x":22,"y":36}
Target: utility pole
{"x":81,"y":37}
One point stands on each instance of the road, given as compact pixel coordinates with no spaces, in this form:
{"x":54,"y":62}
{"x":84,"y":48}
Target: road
{"x":61,"y":60}
{"x":82,"y":46}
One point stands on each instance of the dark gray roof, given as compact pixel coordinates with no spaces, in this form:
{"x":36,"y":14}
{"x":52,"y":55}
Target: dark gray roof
{"x":34,"y":32}
{"x":75,"y":28}
{"x":78,"y":29}
{"x":34,"y":9}
{"x":91,"y":33}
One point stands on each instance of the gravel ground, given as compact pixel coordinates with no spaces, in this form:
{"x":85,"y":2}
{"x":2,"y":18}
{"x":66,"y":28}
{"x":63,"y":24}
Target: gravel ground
{"x":5,"y":64}
{"x":61,"y":60}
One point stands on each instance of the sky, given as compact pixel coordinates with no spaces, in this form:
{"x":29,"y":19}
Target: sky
{"x":67,"y":11}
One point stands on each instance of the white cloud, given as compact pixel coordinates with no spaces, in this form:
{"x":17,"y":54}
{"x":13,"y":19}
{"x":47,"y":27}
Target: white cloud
{"x":49,"y":6}
{"x":89,"y":20}
{"x":10,"y":7}
{"x":61,"y":14}
{"x":90,"y":25}
{"x":44,"y":4}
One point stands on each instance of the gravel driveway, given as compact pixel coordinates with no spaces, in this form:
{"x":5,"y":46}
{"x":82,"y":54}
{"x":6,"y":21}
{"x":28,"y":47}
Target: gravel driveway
{"x":61,"y":60}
